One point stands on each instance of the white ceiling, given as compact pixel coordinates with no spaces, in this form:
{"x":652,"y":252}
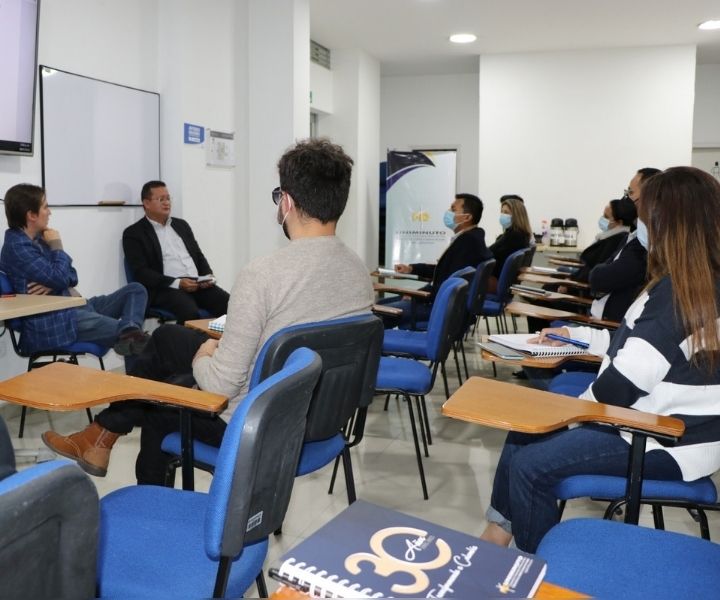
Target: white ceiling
{"x":411,"y":36}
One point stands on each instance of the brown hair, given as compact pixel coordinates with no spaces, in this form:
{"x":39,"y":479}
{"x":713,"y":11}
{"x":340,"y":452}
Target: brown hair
{"x":520,"y":220}
{"x":20,"y":199}
{"x":681,"y":209}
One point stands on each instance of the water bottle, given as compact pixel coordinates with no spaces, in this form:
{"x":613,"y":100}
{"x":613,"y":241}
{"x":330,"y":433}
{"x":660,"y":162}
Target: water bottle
{"x":545,"y":232}
{"x":716,"y":171}
{"x":557,"y":233}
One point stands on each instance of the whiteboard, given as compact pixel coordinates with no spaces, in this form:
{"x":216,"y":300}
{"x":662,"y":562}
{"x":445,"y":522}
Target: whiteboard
{"x":100,"y":140}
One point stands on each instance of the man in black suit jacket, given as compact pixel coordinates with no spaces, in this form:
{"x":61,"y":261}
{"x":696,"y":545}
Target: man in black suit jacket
{"x":164,"y":256}
{"x":467,"y":249}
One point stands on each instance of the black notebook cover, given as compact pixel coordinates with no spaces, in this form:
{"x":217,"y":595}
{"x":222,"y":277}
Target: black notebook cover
{"x":370,"y":552}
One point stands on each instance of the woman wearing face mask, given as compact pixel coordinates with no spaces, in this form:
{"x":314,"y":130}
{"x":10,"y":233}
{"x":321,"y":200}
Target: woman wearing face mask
{"x":664,"y":359}
{"x":615,"y":224}
{"x":515,"y":236}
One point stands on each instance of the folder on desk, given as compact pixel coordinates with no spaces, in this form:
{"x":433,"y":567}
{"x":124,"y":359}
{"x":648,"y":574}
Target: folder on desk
{"x":368,"y":551}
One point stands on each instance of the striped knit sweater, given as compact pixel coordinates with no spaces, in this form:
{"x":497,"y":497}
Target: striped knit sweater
{"x":647,"y":367}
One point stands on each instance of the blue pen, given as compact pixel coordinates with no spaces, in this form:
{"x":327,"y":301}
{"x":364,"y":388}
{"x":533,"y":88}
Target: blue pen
{"x":562,"y":338}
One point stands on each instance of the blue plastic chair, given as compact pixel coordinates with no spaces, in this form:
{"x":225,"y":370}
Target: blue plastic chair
{"x":494,"y":305}
{"x":410,"y":377}
{"x":159,"y":542}
{"x":613,"y":560}
{"x":69,"y":352}
{"x":155,"y":312}
{"x":350,"y":351}
{"x":698,"y":496}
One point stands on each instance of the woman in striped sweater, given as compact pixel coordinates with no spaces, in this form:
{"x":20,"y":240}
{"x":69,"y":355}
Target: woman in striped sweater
{"x":664,"y":359}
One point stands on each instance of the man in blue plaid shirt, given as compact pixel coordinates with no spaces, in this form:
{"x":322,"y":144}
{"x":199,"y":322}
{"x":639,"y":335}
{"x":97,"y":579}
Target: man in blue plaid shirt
{"x":34,"y":260}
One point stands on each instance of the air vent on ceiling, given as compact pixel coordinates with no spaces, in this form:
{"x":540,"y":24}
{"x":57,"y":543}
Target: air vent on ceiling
{"x":320,"y":54}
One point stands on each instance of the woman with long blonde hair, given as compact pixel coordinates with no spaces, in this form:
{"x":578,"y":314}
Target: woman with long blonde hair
{"x":664,"y":359}
{"x":515,"y":236}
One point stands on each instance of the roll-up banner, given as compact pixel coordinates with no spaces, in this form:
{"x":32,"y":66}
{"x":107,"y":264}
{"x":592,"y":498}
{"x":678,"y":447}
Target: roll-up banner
{"x":420,"y":188}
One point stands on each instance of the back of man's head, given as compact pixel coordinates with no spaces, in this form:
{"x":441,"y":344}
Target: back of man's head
{"x":472,"y":205}
{"x":511,"y":197}
{"x":316,"y":173}
{"x":646,"y":172}
{"x":20,"y":199}
{"x":146,"y":192}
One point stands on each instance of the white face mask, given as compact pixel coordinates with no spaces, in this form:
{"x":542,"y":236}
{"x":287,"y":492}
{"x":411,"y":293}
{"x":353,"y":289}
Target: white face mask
{"x":642,"y":235}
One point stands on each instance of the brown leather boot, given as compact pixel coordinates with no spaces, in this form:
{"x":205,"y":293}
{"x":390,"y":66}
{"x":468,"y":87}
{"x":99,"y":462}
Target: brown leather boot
{"x":89,"y":447}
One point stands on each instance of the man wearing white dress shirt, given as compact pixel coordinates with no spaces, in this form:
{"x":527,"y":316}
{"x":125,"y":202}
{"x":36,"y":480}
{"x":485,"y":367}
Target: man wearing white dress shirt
{"x":164,"y":256}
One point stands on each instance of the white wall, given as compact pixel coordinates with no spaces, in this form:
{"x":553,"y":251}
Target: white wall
{"x":355,"y":125}
{"x":567,"y":130}
{"x":433,"y":111}
{"x":706,"y":127}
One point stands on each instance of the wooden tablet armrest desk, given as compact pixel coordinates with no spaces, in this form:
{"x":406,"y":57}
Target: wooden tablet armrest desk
{"x":527,"y":276}
{"x":551,"y":314}
{"x":515,"y":408}
{"x":62,"y":386}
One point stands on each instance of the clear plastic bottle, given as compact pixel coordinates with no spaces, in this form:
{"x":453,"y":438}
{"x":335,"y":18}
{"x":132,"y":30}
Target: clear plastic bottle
{"x":716,"y":171}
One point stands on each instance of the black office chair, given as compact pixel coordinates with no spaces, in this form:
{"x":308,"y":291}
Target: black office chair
{"x":48,"y":528}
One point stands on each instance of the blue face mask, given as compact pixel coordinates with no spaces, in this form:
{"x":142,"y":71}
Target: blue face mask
{"x":642,"y":234}
{"x":603,"y":223}
{"x":505,"y":220}
{"x":449,"y":219}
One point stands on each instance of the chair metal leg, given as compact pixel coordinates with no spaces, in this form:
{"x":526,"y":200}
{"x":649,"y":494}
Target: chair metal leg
{"x":462,"y":350}
{"x":22,"y":421}
{"x":334,"y":475}
{"x":387,"y":401}
{"x":261,"y":587}
{"x":514,"y":322}
{"x":658,"y":519}
{"x":561,"y":508}
{"x":423,"y":405}
{"x":444,"y":376}
{"x":349,"y":479}
{"x":89,"y":415}
{"x":422,"y":426}
{"x":221,"y":579}
{"x":494,"y":369}
{"x":417,"y":448}
{"x":457,"y":363}
{"x":170,"y":471}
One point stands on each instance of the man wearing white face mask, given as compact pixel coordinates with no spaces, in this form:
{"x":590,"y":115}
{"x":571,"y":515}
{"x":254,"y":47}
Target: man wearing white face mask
{"x":467,"y":249}
{"x":313,"y":278}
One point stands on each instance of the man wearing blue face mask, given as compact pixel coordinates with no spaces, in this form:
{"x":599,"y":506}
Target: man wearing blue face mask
{"x":467,"y":249}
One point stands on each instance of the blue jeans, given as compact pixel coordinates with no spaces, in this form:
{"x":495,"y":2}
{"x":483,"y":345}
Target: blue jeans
{"x":104,"y":318}
{"x":523,"y":501}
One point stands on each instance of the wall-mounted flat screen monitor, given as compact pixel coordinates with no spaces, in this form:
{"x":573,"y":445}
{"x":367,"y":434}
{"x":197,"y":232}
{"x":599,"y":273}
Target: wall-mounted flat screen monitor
{"x":18,"y":65}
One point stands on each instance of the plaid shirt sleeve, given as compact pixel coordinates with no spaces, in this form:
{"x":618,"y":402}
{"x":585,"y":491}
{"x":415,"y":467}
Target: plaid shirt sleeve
{"x":26,"y":260}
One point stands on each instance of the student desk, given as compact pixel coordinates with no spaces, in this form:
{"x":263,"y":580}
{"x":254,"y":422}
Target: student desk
{"x":549,"y":297}
{"x":551,"y":314}
{"x":25,"y":305}
{"x":515,"y":408}
{"x":551,"y":362}
{"x":62,"y":386}
{"x":535,"y":278}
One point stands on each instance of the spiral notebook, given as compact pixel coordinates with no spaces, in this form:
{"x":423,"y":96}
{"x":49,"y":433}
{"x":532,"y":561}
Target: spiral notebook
{"x":518,"y":341}
{"x":368,"y":551}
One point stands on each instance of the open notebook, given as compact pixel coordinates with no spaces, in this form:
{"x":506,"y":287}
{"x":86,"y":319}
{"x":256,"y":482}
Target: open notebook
{"x":383,"y":272}
{"x":518,"y":341}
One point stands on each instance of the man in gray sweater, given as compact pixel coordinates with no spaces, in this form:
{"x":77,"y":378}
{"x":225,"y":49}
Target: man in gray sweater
{"x":313,"y":278}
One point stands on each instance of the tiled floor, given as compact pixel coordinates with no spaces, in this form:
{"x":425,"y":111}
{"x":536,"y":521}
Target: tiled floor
{"x":459,"y":471}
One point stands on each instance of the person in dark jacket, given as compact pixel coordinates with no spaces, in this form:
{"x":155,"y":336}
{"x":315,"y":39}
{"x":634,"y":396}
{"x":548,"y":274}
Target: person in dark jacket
{"x":515,"y":236}
{"x":164,"y":256}
{"x":467,"y":249}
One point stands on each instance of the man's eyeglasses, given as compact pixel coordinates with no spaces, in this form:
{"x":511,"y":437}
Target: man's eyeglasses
{"x":276,"y":195}
{"x":626,"y":194}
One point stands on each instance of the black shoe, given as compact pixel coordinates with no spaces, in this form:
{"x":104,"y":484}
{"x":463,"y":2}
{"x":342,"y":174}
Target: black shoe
{"x":131,"y":342}
{"x":520,"y":374}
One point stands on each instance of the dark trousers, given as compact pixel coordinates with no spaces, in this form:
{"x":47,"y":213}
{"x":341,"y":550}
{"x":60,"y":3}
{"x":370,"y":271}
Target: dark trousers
{"x":185,"y":305}
{"x":167,"y":357}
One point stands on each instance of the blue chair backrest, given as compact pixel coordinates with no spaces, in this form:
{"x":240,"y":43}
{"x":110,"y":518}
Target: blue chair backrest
{"x":508,"y":274}
{"x":447,"y":317}
{"x":6,"y":287}
{"x":478,"y":286}
{"x":258,"y":457}
{"x":465,"y":273}
{"x":350,"y":350}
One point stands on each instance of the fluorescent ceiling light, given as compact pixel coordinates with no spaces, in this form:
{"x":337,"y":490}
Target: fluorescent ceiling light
{"x":463,"y":38}
{"x":709,"y":25}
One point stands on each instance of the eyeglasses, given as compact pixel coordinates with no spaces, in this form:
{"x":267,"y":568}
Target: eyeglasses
{"x":277,"y":195}
{"x":163,"y":198}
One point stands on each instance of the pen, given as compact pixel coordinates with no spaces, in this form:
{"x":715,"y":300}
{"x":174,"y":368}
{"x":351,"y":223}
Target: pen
{"x":562,"y":338}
